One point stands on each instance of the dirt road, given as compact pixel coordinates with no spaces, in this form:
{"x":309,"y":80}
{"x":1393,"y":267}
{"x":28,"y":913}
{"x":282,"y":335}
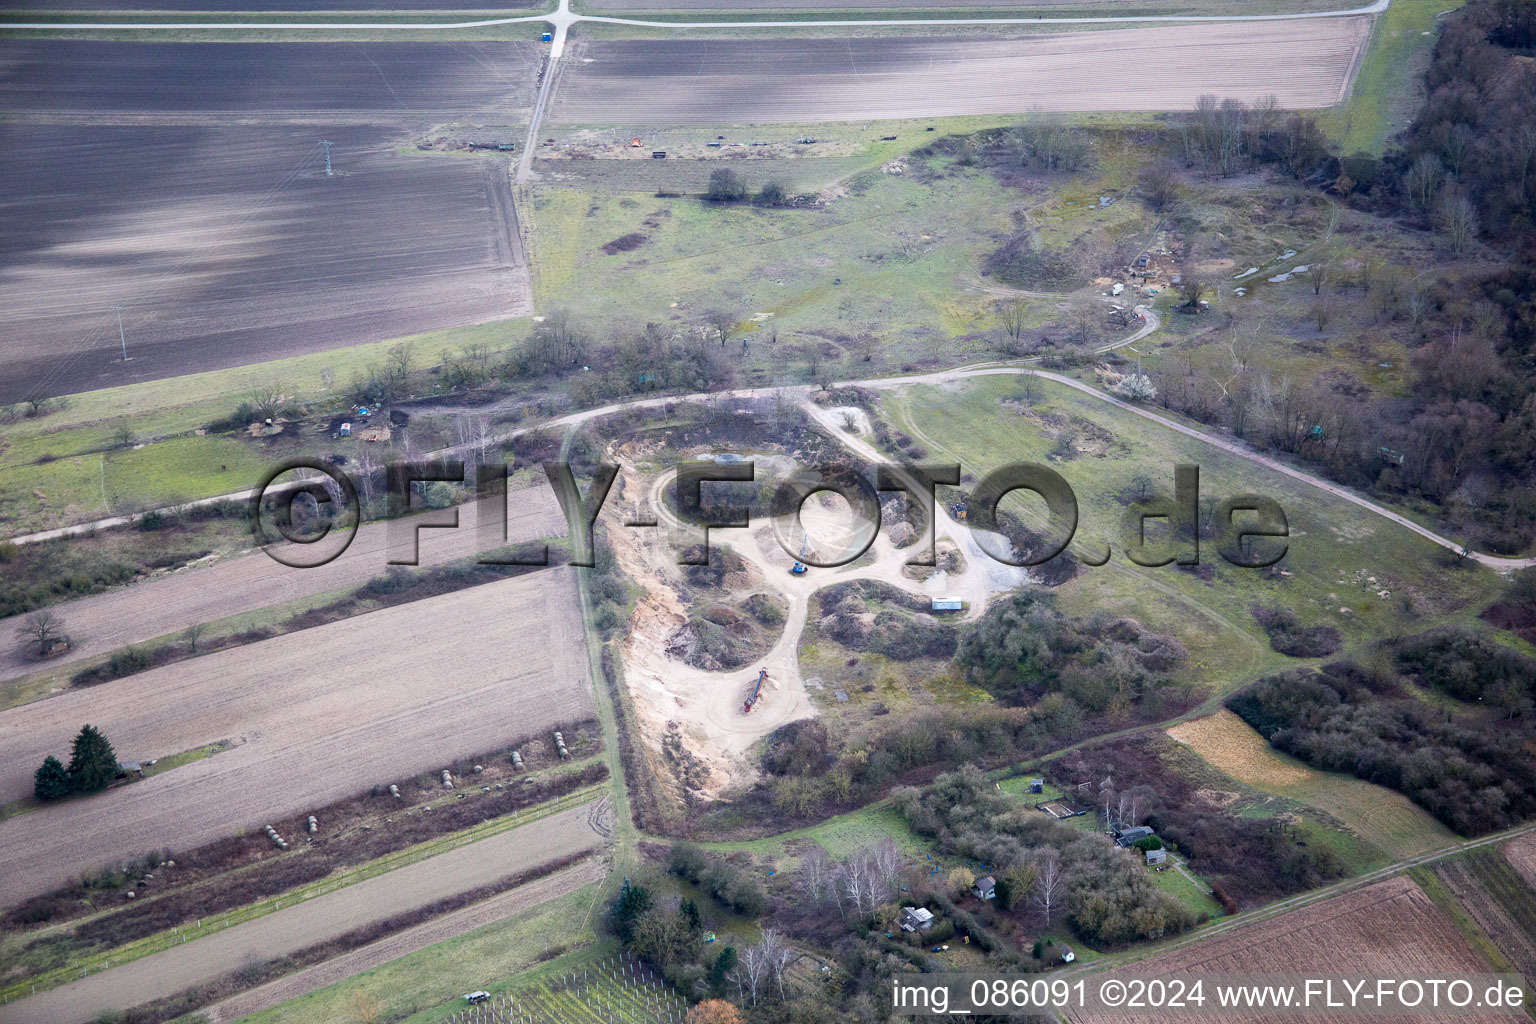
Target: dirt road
{"x":170,"y":603}
{"x":327,"y":916}
{"x":315,"y":716}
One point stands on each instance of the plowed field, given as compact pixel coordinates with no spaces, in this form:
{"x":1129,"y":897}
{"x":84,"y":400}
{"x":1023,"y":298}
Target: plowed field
{"x":315,"y":715}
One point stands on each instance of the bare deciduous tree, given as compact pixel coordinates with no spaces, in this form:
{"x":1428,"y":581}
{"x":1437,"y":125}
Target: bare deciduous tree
{"x":1457,"y":219}
{"x":40,"y":629}
{"x":815,"y":874}
{"x":1012,"y":315}
{"x":1317,"y":274}
{"x":1191,"y":288}
{"x":265,"y":400}
{"x":1159,"y":186}
{"x":1050,"y":887}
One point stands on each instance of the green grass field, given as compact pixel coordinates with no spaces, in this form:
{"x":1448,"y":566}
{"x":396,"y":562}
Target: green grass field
{"x":1330,"y":540}
{"x":1387,"y":91}
{"x":424,"y":987}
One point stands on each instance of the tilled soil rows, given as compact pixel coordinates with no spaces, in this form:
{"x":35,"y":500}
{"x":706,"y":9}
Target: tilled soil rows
{"x":315,"y":716}
{"x":687,"y":80}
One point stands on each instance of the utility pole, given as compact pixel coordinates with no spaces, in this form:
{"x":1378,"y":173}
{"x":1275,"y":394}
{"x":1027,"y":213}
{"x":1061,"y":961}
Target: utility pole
{"x":327,"y":146}
{"x":121,"y":337}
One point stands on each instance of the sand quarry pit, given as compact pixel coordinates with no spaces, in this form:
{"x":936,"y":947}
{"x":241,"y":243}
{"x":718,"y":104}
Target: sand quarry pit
{"x":316,"y":715}
{"x":707,"y":706}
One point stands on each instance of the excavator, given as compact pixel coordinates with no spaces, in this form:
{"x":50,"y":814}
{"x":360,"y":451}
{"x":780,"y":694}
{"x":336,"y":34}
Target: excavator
{"x":798,"y":569}
{"x":756,"y":694}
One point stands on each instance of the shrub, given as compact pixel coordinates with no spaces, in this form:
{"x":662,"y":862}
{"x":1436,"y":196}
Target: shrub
{"x":726,"y":186}
{"x":771,"y":194}
{"x":1288,"y":636}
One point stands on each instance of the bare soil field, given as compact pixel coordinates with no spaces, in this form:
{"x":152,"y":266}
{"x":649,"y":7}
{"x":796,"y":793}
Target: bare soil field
{"x":1521,"y":854}
{"x":1305,"y":63}
{"x":332,"y":914}
{"x":170,"y":603}
{"x":315,"y":716}
{"x":1390,"y":928}
{"x":186,"y":183}
{"x":437,"y":930}
{"x":296,"y":6}
{"x":1021,"y":7}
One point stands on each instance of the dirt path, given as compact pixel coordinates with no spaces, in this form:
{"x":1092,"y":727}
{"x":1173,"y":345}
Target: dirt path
{"x":449,"y":926}
{"x":170,"y":603}
{"x":316,"y":716}
{"x":314,"y":921}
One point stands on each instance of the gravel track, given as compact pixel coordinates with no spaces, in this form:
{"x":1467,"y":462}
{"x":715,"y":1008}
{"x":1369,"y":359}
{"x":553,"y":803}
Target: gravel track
{"x":170,"y":603}
{"x":315,"y":716}
{"x":335,"y":913}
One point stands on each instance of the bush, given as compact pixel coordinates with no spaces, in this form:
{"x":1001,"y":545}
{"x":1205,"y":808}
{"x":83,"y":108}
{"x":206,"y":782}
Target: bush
{"x":726,"y":186}
{"x":771,"y":194}
{"x":1288,"y":636}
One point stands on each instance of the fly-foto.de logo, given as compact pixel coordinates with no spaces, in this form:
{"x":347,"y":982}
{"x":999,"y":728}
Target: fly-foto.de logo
{"x":1247,"y":530}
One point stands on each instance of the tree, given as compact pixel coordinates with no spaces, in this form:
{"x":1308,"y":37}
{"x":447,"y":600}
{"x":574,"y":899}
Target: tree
{"x":633,"y":901}
{"x":1423,"y":181}
{"x":1191,"y":287}
{"x":722,"y":967}
{"x":726,"y":186}
{"x":367,"y":1007}
{"x":122,"y":434}
{"x":1013,"y":315}
{"x":1158,"y":185}
{"x":1457,"y":219}
{"x":265,"y":400}
{"x":715,"y":1011}
{"x":92,"y":764}
{"x":1015,"y":885}
{"x":1317,"y":273}
{"x":1522,"y":591}
{"x":722,"y":323}
{"x":1050,"y":887}
{"x":960,"y":880}
{"x":51,"y":780}
{"x":771,"y":194}
{"x":193,"y":634}
{"x":41,"y":629}
{"x":1136,"y":386}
